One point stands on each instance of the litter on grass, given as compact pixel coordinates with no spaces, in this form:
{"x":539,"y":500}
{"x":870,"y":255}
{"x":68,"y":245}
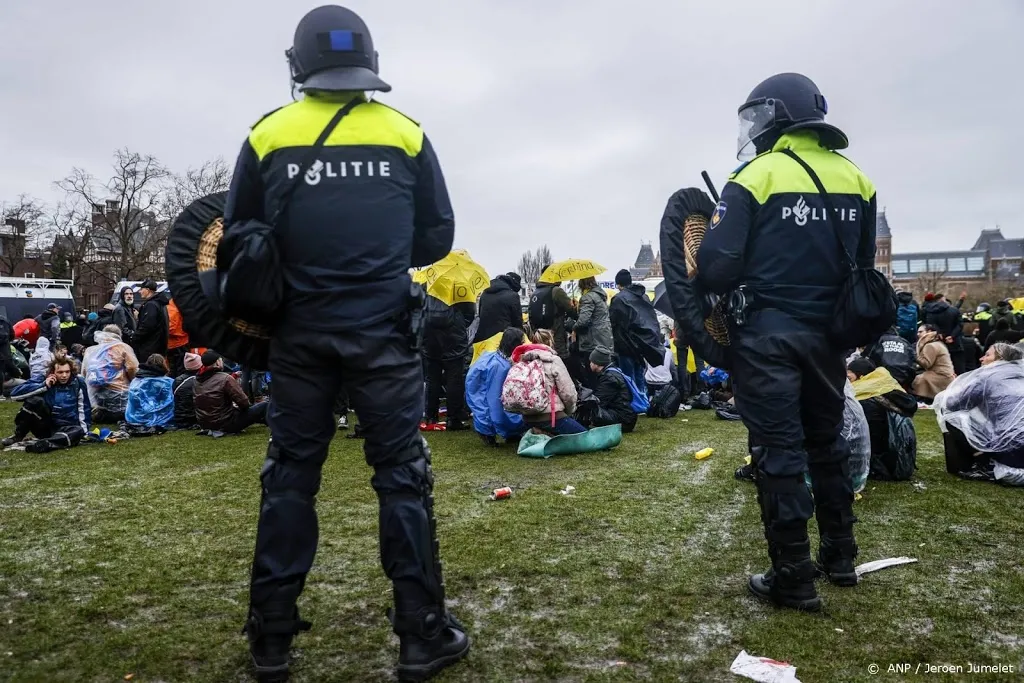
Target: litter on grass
{"x":763,"y":669}
{"x":869,"y":567}
{"x":567,"y":490}
{"x":704,"y":453}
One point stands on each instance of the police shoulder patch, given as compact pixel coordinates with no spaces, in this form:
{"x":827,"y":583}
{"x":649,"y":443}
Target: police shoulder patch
{"x":718,"y":215}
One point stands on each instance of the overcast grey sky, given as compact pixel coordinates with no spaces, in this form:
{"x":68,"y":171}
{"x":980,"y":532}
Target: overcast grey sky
{"x":568,"y":123}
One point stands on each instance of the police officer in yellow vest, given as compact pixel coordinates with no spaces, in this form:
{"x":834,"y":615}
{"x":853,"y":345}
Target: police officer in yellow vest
{"x":372,"y":205}
{"x":770,"y":238}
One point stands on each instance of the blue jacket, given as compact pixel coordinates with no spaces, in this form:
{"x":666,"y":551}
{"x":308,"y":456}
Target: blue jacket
{"x":770,"y":231}
{"x":373,"y":204}
{"x":483,"y":396}
{"x":150,"y":400}
{"x":68,"y":403}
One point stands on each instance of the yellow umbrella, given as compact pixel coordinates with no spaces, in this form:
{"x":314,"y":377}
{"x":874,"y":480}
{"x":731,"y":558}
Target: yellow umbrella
{"x":456,"y":278}
{"x":571,"y":269}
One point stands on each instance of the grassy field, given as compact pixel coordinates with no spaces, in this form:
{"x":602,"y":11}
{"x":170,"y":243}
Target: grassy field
{"x":133,"y":559}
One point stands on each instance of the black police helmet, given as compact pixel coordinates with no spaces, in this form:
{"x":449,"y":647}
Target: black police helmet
{"x":333,"y":51}
{"x":797,"y":105}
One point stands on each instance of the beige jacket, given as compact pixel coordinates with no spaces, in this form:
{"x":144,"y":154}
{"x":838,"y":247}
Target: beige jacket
{"x":933,"y":356}
{"x":556,"y":373}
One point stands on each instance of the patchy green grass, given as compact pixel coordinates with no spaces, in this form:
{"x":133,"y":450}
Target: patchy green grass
{"x":133,"y":559}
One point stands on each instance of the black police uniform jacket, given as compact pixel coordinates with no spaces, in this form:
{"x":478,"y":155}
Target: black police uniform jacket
{"x":770,"y":231}
{"x":373,"y":205}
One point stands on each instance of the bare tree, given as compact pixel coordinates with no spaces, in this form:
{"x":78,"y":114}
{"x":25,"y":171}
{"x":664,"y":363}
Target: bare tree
{"x":531,"y":266}
{"x":212,"y":176}
{"x":931,"y":281}
{"x":21,"y":221}
{"x":120,"y":218}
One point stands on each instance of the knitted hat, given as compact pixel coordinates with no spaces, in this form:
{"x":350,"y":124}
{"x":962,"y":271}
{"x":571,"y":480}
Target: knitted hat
{"x":193,"y":361}
{"x":514,"y":281}
{"x":601,"y":356}
{"x":210,"y":358}
{"x":623,"y":278}
{"x":929,"y":297}
{"x":861,"y":367}
{"x":93,"y":317}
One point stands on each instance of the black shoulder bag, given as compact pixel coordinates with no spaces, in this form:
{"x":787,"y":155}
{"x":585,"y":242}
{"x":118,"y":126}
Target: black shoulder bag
{"x":248,"y":260}
{"x":867,"y":304}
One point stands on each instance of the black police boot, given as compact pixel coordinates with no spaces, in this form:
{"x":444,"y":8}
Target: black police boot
{"x":270,"y":631}
{"x":833,"y":497}
{"x":431,"y":640}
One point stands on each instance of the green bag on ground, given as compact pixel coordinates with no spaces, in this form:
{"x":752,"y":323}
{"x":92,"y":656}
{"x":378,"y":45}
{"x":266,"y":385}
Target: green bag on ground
{"x":544,"y":446}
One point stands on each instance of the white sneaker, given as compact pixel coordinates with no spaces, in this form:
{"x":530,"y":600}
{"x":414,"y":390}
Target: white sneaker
{"x":343,"y":422}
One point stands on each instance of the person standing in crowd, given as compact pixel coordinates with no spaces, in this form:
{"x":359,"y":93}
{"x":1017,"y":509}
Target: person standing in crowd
{"x":770,"y":233}
{"x":56,"y":409}
{"x":445,"y":347}
{"x":983,"y":316}
{"x":70,"y":332}
{"x":593,"y":327}
{"x":125,"y":316}
{"x":908,"y":316}
{"x":635,"y":330}
{"x":1004,"y":311}
{"x":948,"y":320}
{"x":688,"y":388}
{"x":549,"y":307}
{"x":499,"y":307}
{"x":152,"y":331}
{"x":177,"y":339}
{"x":97,"y":320}
{"x":49,"y":323}
{"x":8,"y":370}
{"x":350,"y":320}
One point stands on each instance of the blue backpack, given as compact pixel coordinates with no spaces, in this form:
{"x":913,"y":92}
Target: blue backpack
{"x":640,"y":403}
{"x":906,"y":318}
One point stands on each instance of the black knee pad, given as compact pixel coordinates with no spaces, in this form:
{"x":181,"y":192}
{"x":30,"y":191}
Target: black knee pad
{"x":786,"y":506}
{"x":283,"y":476}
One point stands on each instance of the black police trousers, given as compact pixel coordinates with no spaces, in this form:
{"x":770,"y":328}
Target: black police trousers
{"x":449,"y":376}
{"x":789,"y":383}
{"x":383,"y":380}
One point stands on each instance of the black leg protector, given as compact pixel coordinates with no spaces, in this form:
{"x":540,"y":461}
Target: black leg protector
{"x":786,"y":506}
{"x":431,"y":638}
{"x":833,"y":498}
{"x":286,"y":541}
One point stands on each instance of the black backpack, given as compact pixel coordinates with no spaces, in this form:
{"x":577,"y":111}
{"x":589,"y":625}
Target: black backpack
{"x":899,"y":460}
{"x":542,"y":309}
{"x":665,"y":403}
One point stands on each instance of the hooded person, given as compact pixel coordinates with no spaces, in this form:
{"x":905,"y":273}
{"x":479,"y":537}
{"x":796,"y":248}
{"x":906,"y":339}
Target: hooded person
{"x":150,"y":403}
{"x":499,"y":307}
{"x":153,"y":329}
{"x":39,"y":360}
{"x":108,"y":369}
{"x":635,"y":330}
{"x":1004,"y":311}
{"x":49,"y":323}
{"x":549,"y":307}
{"x":593,"y":327}
{"x":124,"y":314}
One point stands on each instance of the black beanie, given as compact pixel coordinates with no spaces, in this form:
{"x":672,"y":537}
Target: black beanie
{"x":623,"y":278}
{"x":514,"y":281}
{"x":601,"y":356}
{"x":861,"y":367}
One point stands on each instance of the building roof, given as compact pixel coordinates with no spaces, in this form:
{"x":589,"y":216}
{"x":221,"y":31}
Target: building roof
{"x":645,"y":257}
{"x":1000,"y":249}
{"x":987,"y":237}
{"x":882,"y":225}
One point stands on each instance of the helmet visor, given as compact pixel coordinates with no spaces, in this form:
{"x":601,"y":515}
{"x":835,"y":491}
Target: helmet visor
{"x":755,"y":119}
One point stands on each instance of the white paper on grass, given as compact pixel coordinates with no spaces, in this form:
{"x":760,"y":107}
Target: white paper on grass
{"x":763,"y":669}
{"x":869,"y":567}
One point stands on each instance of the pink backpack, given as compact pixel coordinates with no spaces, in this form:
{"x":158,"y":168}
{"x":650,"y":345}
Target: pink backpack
{"x":527,"y":391}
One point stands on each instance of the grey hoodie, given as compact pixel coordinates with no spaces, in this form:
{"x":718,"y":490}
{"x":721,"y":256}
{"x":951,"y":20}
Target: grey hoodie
{"x":594,"y":327}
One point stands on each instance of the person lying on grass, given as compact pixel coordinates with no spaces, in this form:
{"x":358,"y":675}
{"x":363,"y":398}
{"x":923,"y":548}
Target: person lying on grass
{"x":56,"y":410}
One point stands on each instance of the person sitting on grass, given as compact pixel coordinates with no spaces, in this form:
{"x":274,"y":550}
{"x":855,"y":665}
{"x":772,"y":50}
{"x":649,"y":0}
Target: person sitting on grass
{"x":613,"y":393}
{"x":150,"y":407}
{"x":555,"y":418}
{"x":1000,"y":351}
{"x":109,"y":368}
{"x":221,"y":405}
{"x":980,"y":417}
{"x":56,"y":410}
{"x":184,"y":389}
{"x":886,"y":405}
{"x":483,"y":392}
{"x":934,"y":359}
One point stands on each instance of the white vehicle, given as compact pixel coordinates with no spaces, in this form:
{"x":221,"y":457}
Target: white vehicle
{"x":134,"y":284}
{"x":29,"y":296}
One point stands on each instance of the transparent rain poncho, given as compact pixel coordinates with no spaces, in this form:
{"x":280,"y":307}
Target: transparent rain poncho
{"x":858,"y":438}
{"x":987,"y":405}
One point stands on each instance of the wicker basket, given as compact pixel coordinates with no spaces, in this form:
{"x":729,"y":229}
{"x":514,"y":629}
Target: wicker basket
{"x":694,"y":228}
{"x":206,"y":260}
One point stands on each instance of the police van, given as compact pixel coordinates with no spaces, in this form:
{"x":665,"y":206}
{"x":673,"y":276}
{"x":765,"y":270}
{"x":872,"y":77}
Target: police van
{"x":29,"y":296}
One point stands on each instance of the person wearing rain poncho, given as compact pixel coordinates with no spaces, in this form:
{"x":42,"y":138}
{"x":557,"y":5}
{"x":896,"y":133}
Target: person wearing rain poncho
{"x":981,"y":415}
{"x":39,"y":359}
{"x":483,"y":392}
{"x":108,"y":368}
{"x":889,"y":410}
{"x":150,"y":407}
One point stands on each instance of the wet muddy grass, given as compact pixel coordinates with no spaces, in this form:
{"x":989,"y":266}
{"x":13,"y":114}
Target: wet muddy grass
{"x":133,"y":559}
